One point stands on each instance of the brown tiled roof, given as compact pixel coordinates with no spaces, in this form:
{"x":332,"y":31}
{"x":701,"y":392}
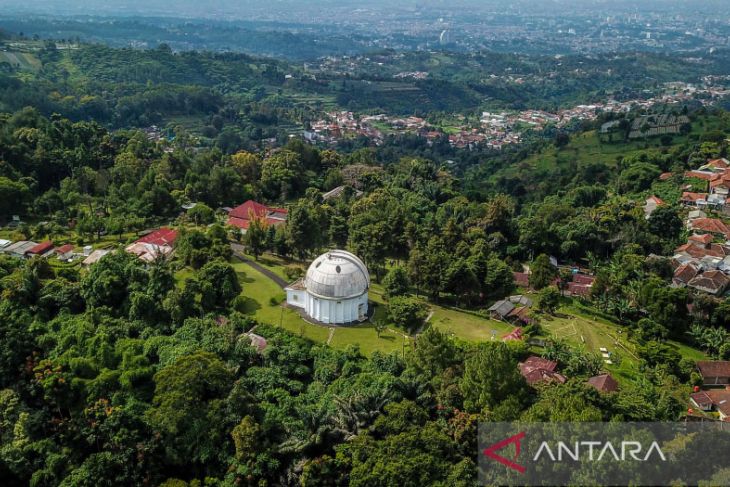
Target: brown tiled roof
{"x":537,"y":369}
{"x":720,"y":400}
{"x":699,"y":175}
{"x":711,"y":225}
{"x":578,"y":289}
{"x":664,"y":176}
{"x":703,"y":239}
{"x":541,"y":375}
{"x":713,"y":281}
{"x":714,"y":368}
{"x":522,"y":313}
{"x":538,"y":362}
{"x":698,"y":251}
{"x":655,"y":199}
{"x":689,"y":197}
{"x":722,"y":181}
{"x":685,"y":273}
{"x":604,"y":383}
{"x":583,"y":279}
{"x":718,"y":163}
{"x":701,"y":399}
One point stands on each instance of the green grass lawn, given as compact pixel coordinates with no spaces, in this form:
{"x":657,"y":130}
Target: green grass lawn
{"x":581,"y":328}
{"x":276,"y":264}
{"x":467,"y":326}
{"x":593,"y":333}
{"x":258,"y":290}
{"x":577,"y":324}
{"x":23,"y":60}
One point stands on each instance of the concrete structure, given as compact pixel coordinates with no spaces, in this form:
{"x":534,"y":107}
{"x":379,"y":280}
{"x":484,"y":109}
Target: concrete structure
{"x":334,"y":290}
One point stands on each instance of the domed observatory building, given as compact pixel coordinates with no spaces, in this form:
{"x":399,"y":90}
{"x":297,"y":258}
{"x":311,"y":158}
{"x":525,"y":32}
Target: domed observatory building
{"x":334,"y":290}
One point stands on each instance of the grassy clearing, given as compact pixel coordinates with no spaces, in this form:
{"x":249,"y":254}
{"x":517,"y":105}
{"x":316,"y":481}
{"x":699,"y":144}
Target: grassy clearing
{"x":258,"y":290}
{"x":577,"y":324}
{"x":21,"y":60}
{"x":467,"y":326}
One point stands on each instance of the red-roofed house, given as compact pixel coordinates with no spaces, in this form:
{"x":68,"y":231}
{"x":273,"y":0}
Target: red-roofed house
{"x":163,"y":236}
{"x":717,"y":399}
{"x":704,"y":175}
{"x":710,"y":225}
{"x":711,"y":282}
{"x":64,"y":252}
{"x":694,"y":199}
{"x":697,"y":249}
{"x":717,"y":164}
{"x":521,"y":314}
{"x":704,"y":239}
{"x":714,"y":372}
{"x":537,"y":369}
{"x":652,"y":203}
{"x":153,"y":245}
{"x":580,"y":286}
{"x":515,"y":334}
{"x":41,"y":249}
{"x":684,"y":274}
{"x":258,"y":342}
{"x":665,"y":176}
{"x":604,"y":383}
{"x":583,"y":279}
{"x":721,"y":185}
{"x":242,"y":215}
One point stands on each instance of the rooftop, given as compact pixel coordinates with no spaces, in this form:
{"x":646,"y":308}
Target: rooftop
{"x":714,"y":368}
{"x":604,"y":383}
{"x":337,"y":274}
{"x":161,"y":237}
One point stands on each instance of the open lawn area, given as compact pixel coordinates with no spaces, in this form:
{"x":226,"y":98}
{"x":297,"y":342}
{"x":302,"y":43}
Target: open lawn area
{"x":579,"y":327}
{"x":594,"y":333}
{"x":258,"y":291}
{"x":574,"y":322}
{"x":467,"y":326}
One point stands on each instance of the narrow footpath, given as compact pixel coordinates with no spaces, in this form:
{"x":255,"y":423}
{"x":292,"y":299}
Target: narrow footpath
{"x":238,"y":252}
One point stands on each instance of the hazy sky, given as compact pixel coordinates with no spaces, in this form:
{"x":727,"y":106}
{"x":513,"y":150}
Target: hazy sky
{"x":288,"y":10}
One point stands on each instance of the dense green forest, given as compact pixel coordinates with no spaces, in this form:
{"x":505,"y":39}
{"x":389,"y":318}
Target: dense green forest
{"x":133,"y":373}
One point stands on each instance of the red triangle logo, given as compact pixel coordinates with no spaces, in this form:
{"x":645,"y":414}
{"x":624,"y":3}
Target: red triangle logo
{"x":490,"y":452}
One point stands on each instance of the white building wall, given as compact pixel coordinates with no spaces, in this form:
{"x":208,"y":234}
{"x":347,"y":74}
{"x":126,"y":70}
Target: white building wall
{"x":296,"y":298}
{"x":336,"y":311}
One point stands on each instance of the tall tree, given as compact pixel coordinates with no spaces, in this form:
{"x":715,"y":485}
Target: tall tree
{"x":491,"y":376}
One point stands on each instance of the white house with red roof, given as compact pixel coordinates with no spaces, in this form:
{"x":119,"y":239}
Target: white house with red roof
{"x":64,"y":252}
{"x":242,"y":215}
{"x":154,"y":244}
{"x":42,"y":249}
{"x":652,"y":203}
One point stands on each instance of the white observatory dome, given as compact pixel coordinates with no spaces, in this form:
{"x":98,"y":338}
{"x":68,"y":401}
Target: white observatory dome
{"x":337,"y":274}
